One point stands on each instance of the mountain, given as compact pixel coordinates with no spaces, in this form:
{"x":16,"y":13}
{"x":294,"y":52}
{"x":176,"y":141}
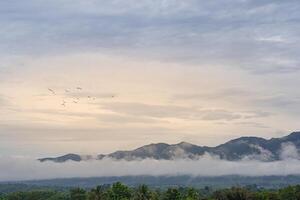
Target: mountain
{"x":64,"y":158}
{"x":237,"y":149}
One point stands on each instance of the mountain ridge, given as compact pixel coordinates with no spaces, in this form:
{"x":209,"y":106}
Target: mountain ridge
{"x":233,"y":150}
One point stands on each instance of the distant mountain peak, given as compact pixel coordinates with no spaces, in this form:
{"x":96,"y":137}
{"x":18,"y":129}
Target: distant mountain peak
{"x":236,"y":149}
{"x":64,"y":158}
{"x":185,"y":144}
{"x":295,"y":135}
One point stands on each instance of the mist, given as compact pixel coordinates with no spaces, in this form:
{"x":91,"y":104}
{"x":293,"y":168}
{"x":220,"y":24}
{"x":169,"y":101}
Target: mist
{"x":24,"y":168}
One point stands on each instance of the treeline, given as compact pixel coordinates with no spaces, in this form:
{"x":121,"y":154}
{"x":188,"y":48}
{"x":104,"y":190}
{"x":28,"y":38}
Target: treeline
{"x":119,"y":191}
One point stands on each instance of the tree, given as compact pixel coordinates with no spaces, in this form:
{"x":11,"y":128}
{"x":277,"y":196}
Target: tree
{"x":119,"y":191}
{"x":233,"y":194}
{"x":59,"y":196}
{"x":191,"y":194}
{"x":97,"y":193}
{"x":172,"y":194}
{"x":142,"y":193}
{"x":78,"y":194}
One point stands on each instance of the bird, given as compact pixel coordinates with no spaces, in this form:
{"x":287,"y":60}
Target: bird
{"x":52,"y":91}
{"x":75,"y":101}
{"x":79,"y":88}
{"x":67,"y":91}
{"x":63,"y":103}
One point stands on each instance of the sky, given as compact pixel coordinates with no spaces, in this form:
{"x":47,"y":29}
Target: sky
{"x":123,"y":74}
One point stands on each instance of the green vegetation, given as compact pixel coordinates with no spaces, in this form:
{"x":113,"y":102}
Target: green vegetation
{"x":119,"y":191}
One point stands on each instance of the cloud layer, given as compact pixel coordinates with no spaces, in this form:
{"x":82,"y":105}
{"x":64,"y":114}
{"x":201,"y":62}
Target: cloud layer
{"x":29,"y":169}
{"x":260,"y":36}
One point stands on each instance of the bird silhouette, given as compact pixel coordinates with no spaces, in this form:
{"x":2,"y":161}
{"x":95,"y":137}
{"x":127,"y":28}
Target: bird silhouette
{"x":52,"y":91}
{"x":79,"y":88}
{"x":64,"y":103}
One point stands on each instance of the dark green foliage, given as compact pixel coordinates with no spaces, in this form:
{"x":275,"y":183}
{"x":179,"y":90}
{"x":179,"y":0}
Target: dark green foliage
{"x":142,"y":193}
{"x":119,"y":191}
{"x":172,"y":194}
{"x":36,"y":195}
{"x":191,"y":194}
{"x":290,"y":193}
{"x":60,"y":196}
{"x":98,"y":193}
{"x":234,"y":194}
{"x":78,"y":194}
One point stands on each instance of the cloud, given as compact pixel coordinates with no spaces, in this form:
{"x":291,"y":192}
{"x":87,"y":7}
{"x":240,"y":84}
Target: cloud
{"x":91,"y":95}
{"x":278,"y":103}
{"x":197,"y":32}
{"x":169,"y":111}
{"x":264,"y":102}
{"x":277,"y":38}
{"x":224,"y":93}
{"x":252,"y":124}
{"x":2,"y":101}
{"x":109,"y":118}
{"x":289,"y":151}
{"x":22,"y":168}
{"x":257,"y":114}
{"x":219,"y":115}
{"x":180,"y":112}
{"x":5,"y":102}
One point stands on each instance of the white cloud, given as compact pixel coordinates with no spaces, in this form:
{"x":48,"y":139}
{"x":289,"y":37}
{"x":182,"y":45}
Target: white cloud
{"x":20,"y":168}
{"x":277,"y":38}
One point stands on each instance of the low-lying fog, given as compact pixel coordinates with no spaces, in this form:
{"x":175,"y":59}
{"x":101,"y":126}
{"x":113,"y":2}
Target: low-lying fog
{"x":24,"y":168}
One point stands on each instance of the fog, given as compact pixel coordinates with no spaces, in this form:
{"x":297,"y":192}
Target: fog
{"x":24,"y":168}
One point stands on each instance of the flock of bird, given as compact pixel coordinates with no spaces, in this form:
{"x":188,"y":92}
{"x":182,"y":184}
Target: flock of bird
{"x":75,"y":99}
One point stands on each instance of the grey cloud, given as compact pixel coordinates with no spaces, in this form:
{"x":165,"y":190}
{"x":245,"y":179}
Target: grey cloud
{"x":5,"y":102}
{"x":263,"y":102}
{"x":107,"y":118}
{"x":2,"y":101}
{"x":74,"y":94}
{"x":181,"y":112}
{"x":279,"y":103}
{"x":218,"y":32}
{"x":219,"y":115}
{"x":121,"y":119}
{"x":158,"y":111}
{"x":224,"y":93}
{"x":253,"y":124}
{"x":91,"y":95}
{"x":257,"y":114}
{"x":33,"y":133}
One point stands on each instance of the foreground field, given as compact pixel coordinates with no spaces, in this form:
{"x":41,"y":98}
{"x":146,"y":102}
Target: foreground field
{"x":119,"y":191}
